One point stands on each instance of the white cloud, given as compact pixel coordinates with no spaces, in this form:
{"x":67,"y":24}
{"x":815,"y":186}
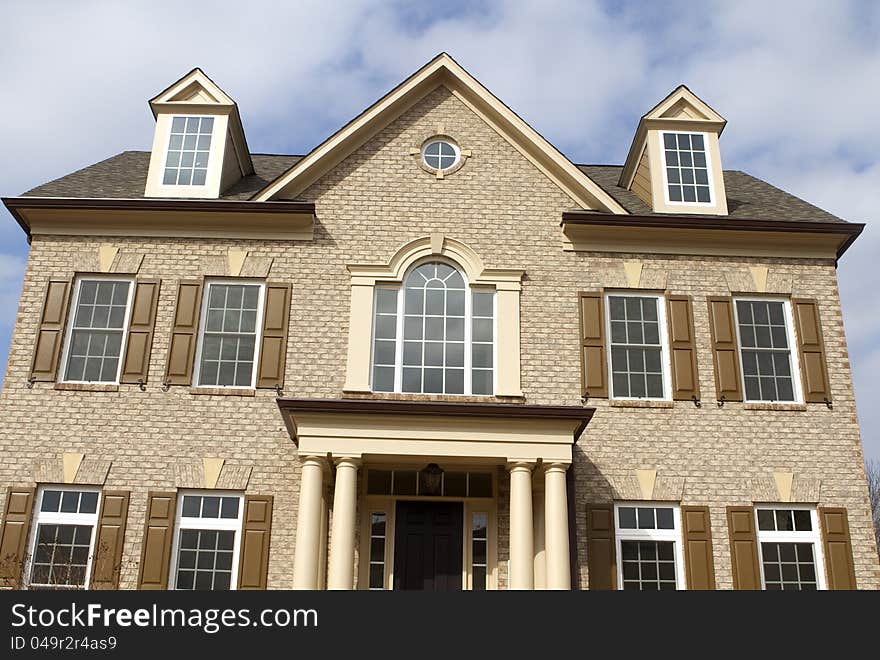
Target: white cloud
{"x":796,"y":80}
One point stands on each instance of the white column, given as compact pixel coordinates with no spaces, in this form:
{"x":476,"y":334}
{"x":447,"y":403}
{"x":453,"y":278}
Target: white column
{"x":522,"y":550}
{"x":341,"y":567}
{"x":322,"y":553}
{"x":308,"y":524}
{"x":540,"y":534}
{"x":556,"y":527}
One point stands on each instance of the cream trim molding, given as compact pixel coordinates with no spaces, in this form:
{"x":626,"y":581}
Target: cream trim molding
{"x":506,"y":282}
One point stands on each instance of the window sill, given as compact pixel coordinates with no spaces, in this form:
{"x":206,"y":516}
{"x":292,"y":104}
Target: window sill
{"x":761,"y":405}
{"x":453,"y":398}
{"x":87,"y":387}
{"x":222,"y":391}
{"x":638,"y":403}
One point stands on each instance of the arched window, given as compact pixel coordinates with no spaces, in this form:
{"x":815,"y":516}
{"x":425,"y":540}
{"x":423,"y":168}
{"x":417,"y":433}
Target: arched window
{"x":434,"y":335}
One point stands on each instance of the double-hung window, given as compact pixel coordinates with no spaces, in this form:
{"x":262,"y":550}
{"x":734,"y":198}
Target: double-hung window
{"x":434,"y":335}
{"x":686,"y":168}
{"x":97,"y":330}
{"x":638,"y":346}
{"x":766,"y":338}
{"x":791,"y":552}
{"x":230,"y":334}
{"x":649,"y":556}
{"x":189,"y":146}
{"x":63,"y":538}
{"x":206,"y":546}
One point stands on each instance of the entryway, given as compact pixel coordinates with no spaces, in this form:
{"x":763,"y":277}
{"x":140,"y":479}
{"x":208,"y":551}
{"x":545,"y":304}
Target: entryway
{"x":428,"y":545}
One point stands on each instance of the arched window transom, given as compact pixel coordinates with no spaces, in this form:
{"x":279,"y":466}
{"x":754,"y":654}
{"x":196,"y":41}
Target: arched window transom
{"x":434,"y":334}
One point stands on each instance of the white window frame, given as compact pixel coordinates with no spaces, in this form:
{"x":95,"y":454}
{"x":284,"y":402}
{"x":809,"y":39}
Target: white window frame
{"x":167,"y":143}
{"x":674,"y":535}
{"x":218,"y":524}
{"x":398,"y":288}
{"x":793,"y":357}
{"x":258,"y":330}
{"x":444,"y":140}
{"x":709,"y":173}
{"x":664,"y":345}
{"x":68,"y":332}
{"x":58,"y":518}
{"x":814,"y":537}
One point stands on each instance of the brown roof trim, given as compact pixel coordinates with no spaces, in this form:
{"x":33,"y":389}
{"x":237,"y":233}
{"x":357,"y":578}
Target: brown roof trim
{"x":849,"y":229}
{"x":15,"y":204}
{"x":439,"y":408}
{"x":152,"y":204}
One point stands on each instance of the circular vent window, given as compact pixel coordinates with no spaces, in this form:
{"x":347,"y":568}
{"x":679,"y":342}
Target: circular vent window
{"x":440,"y":154}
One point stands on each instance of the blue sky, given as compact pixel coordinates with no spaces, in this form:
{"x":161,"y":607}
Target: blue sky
{"x":797,"y":81}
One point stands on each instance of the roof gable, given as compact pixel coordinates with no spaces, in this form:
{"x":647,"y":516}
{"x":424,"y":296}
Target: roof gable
{"x":682,"y":103}
{"x":193,"y":88}
{"x":445,"y":71}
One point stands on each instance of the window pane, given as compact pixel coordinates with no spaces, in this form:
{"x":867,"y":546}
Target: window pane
{"x":766,"y":520}
{"x":626,"y":517}
{"x":479,"y":484}
{"x":379,"y":482}
{"x":646,"y":517}
{"x":51,"y":500}
{"x":665,"y":519}
{"x":191,"y":506}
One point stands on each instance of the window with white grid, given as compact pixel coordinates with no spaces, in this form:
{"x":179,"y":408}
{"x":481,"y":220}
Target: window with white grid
{"x":97,"y":330}
{"x":790,"y":548}
{"x":378,"y":527}
{"x":687,"y":171}
{"x":440,"y":154}
{"x":434,"y":335}
{"x":648,"y":538}
{"x":765,"y":341}
{"x":63,"y":538}
{"x":230,"y":333}
{"x":207,"y":541}
{"x":189,"y":146}
{"x":637,"y":338}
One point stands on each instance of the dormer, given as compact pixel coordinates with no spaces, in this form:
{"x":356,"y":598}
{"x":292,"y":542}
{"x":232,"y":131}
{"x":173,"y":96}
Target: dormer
{"x":199,"y":148}
{"x":674,"y":164}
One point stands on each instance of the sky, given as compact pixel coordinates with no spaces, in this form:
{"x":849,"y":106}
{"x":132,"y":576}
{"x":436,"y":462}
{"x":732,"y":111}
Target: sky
{"x":798,"y":82}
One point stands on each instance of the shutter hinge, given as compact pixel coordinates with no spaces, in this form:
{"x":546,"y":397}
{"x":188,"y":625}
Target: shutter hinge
{"x":585,"y":397}
{"x":166,"y":385}
{"x":697,"y":402}
{"x":141,"y":385}
{"x":278,"y":391}
{"x":828,"y":403}
{"x":722,"y":400}
{"x":30,"y":382}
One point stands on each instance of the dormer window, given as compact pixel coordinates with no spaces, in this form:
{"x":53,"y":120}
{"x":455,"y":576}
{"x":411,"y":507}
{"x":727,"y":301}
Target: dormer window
{"x":687,"y":170}
{"x":189,"y":145}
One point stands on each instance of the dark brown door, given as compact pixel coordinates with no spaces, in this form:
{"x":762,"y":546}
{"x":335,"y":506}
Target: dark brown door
{"x":428,"y":546}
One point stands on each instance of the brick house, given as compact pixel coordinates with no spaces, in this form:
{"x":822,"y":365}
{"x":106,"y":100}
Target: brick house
{"x":433,"y":353}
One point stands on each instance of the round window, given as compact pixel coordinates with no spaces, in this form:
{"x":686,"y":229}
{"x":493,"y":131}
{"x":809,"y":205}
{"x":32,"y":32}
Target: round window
{"x":440,"y":154}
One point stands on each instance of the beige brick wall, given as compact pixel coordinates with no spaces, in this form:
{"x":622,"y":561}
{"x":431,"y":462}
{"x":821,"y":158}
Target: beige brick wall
{"x":503,"y":208}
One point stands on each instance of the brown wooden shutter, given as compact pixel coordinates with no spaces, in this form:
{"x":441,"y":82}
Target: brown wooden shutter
{"x":838,"y":549}
{"x":594,"y":368}
{"x":184,"y":333}
{"x":698,"y":560}
{"x":107,"y":562}
{"x":743,"y":547}
{"x":136,"y":363}
{"x":253,"y":567}
{"x":814,"y":369}
{"x":14,"y":535}
{"x":722,"y":325}
{"x":50,"y":336}
{"x":156,"y":544}
{"x":682,"y":348}
{"x":273,"y":347}
{"x":600,"y":539}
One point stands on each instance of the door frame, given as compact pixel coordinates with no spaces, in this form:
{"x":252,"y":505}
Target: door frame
{"x":387,"y":504}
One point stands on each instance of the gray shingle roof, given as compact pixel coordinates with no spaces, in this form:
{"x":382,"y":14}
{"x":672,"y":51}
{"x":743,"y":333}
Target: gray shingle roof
{"x":124,"y":176}
{"x":747,"y":197}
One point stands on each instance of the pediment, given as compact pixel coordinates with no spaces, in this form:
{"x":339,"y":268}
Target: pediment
{"x":446,"y":72}
{"x":193,"y":88}
{"x":682,"y":103}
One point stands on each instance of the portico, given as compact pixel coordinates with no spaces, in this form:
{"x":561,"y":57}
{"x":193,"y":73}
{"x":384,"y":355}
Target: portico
{"x":444,"y":453}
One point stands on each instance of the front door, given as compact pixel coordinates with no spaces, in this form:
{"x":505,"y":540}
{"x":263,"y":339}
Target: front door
{"x":428,"y":546}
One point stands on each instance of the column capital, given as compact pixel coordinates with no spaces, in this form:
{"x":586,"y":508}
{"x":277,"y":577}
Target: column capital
{"x":555,"y":467}
{"x":519,"y":466}
{"x":313,"y":459}
{"x":348,"y":461}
